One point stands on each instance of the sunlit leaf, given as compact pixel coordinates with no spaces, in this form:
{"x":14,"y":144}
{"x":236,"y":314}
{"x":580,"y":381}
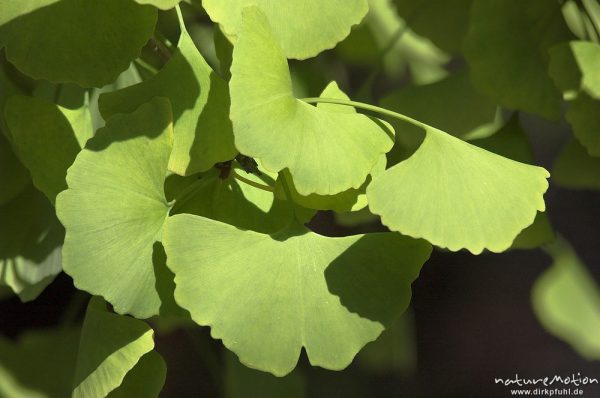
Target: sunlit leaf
{"x":114,"y":348}
{"x":456,"y":195}
{"x":567,"y":301}
{"x":47,"y":138}
{"x":511,"y":142}
{"x":30,"y":240}
{"x":63,"y":43}
{"x":267,"y":296}
{"x":303,"y":28}
{"x":575,"y":168}
{"x":325,"y":152}
{"x":509,"y":58}
{"x":115,"y":207}
{"x":200,"y":102}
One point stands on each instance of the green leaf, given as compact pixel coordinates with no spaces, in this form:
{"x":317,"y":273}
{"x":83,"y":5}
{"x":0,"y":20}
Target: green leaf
{"x":267,"y":296}
{"x":566,"y":300}
{"x":511,"y":142}
{"x":39,"y":364}
{"x":303,"y":28}
{"x":115,"y":207}
{"x":109,"y":350}
{"x":13,"y":176}
{"x":47,"y":138}
{"x":200,"y":102}
{"x":162,"y":4}
{"x":242,"y":382}
{"x":146,"y":379}
{"x":30,"y":240}
{"x":63,"y":43}
{"x":509,"y":57}
{"x":574,"y":68}
{"x":456,"y":195}
{"x":445,"y":22}
{"x":325,"y":152}
{"x":575,"y":168}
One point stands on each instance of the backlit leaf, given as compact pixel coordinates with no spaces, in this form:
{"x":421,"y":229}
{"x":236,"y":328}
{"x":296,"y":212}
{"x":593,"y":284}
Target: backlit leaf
{"x":303,"y":28}
{"x":63,"y":41}
{"x":267,"y":296}
{"x":456,"y":195}
{"x":200,"y":102}
{"x":115,"y":207}
{"x":325,"y":152}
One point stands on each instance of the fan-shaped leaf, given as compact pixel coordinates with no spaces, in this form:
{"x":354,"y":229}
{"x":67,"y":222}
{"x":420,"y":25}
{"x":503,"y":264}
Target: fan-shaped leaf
{"x":47,"y":138}
{"x":30,"y":240}
{"x":303,"y":28}
{"x":456,"y":195}
{"x":200,"y":102}
{"x":509,"y":58}
{"x":113,"y":347}
{"x":63,"y":43}
{"x":325,"y":152}
{"x":162,"y":4}
{"x":267,"y":296}
{"x":115,"y":207}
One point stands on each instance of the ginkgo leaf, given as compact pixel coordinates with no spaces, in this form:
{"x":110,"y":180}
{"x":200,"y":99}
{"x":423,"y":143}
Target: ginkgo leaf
{"x":162,"y":4}
{"x":115,"y":207}
{"x":200,"y":101}
{"x":239,"y":204}
{"x":267,"y":296}
{"x":13,"y":176}
{"x":574,"y":68}
{"x":566,"y":300}
{"x":574,"y":168}
{"x":456,"y":195}
{"x":326,"y":152}
{"x":47,"y":138}
{"x":511,"y":142}
{"x":509,"y":58}
{"x":303,"y":28}
{"x":63,"y":43}
{"x":39,"y":364}
{"x":112,"y":346}
{"x":30,"y":241}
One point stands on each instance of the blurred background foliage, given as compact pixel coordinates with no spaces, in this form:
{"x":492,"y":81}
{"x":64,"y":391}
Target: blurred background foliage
{"x":474,"y":69}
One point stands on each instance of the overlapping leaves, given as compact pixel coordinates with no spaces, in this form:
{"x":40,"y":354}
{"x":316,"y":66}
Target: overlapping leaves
{"x":325,"y":152}
{"x":200,"y":102}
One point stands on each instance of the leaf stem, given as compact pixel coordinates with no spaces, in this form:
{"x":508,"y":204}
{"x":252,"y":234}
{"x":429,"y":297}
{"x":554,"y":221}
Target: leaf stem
{"x":187,"y":193}
{"x":146,"y":66}
{"x":367,"y":107}
{"x":245,"y":180}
